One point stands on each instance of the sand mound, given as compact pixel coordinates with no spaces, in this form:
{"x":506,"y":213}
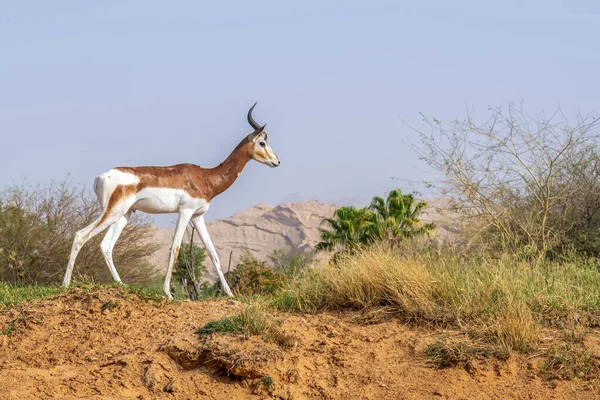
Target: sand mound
{"x":108,"y":344}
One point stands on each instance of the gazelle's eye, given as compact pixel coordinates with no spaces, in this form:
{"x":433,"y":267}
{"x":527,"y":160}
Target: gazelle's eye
{"x":263,"y":144}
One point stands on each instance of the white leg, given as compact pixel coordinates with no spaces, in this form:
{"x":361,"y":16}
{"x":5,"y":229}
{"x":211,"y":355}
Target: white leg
{"x":82,"y":236}
{"x":201,"y":228}
{"x":108,"y":243}
{"x":182,"y":221}
{"x":78,"y":242}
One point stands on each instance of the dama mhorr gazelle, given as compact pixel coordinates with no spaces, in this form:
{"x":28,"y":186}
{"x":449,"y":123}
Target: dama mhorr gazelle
{"x":186,"y":189}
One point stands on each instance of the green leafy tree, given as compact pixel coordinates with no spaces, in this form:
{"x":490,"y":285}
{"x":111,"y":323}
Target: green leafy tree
{"x":398,"y":217}
{"x":348,"y":228}
{"x":393,"y":219}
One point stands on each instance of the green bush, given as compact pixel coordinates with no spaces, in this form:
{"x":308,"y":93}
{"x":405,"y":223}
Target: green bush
{"x":37,"y":227}
{"x":390,"y":220}
{"x":252,"y":276}
{"x":290,"y":263}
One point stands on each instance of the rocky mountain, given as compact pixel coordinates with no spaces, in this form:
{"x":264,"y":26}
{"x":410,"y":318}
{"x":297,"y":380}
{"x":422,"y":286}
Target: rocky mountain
{"x":264,"y":228}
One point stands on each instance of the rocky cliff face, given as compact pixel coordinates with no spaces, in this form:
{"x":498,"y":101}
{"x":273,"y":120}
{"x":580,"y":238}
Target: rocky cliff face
{"x":260,"y":230}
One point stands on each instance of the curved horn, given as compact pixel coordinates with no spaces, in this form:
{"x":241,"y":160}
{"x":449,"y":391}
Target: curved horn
{"x":251,"y":120}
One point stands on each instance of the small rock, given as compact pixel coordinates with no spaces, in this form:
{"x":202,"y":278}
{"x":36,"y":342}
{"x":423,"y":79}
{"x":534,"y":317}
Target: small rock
{"x":169,"y":388}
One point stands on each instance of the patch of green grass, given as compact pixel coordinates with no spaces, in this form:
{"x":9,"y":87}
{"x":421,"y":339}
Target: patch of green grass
{"x":286,"y":301}
{"x":254,"y":319}
{"x":303,"y":294}
{"x":11,"y":296}
{"x":223,"y":325}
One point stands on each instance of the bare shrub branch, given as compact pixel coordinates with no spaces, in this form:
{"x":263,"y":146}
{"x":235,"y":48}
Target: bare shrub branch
{"x":515,"y":176}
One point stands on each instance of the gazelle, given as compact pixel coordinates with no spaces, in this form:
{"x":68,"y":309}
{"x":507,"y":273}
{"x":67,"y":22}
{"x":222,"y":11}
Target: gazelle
{"x":186,"y":189}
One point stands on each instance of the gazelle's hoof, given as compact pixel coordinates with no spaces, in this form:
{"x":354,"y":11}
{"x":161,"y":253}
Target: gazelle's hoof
{"x":168,"y":295}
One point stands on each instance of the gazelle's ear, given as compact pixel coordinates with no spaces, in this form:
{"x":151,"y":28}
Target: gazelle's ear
{"x":255,"y":136}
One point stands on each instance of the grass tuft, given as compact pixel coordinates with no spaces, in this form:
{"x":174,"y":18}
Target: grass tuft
{"x":269,"y":384}
{"x":223,"y":325}
{"x":567,"y":361}
{"x":11,"y":296}
{"x":254,"y":319}
{"x":446,"y":354}
{"x":517,"y":329}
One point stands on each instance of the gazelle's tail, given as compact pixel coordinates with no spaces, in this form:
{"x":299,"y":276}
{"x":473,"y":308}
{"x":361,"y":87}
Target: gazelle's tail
{"x":104,"y":186}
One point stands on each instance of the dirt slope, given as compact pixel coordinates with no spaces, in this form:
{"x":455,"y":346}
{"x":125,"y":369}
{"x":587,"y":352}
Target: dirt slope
{"x":111,"y":345}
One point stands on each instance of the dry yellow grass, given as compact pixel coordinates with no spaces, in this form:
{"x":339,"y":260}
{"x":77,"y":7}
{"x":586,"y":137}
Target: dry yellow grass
{"x":503,"y":300}
{"x":517,"y":328}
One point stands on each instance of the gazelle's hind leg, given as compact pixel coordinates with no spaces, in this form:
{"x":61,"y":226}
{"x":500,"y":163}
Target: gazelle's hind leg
{"x":81,"y":237}
{"x":108,"y":243}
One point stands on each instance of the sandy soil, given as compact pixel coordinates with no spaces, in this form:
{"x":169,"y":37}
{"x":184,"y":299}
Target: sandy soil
{"x":110,"y":345}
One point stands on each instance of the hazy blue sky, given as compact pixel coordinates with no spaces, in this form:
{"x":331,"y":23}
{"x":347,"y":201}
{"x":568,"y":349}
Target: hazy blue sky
{"x":85,"y":86}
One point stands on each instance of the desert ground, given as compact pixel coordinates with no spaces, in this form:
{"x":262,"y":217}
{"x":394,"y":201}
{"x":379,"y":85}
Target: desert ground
{"x":108,"y":343}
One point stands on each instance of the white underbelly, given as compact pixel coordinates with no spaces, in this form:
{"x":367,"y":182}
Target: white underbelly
{"x":163,"y":201}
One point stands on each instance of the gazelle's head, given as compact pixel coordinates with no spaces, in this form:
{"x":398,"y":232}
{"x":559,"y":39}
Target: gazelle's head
{"x":260,"y":149}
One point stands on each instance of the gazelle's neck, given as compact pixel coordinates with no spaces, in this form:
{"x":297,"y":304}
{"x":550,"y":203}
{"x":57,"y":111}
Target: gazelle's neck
{"x":222,"y":176}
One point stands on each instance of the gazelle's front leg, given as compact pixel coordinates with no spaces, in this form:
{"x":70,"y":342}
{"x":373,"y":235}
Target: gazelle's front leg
{"x":182,"y":221}
{"x":201,"y":228}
